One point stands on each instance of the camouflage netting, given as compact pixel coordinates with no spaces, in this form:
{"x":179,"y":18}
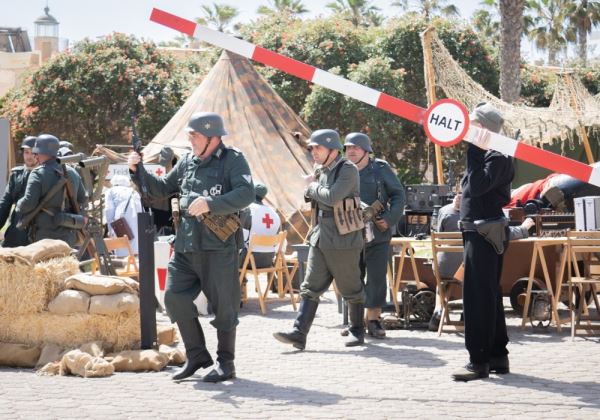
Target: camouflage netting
{"x":572,"y":105}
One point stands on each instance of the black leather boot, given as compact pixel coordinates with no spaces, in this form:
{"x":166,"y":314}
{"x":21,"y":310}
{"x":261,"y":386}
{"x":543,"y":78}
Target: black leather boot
{"x":499,"y":365}
{"x":472,"y":371}
{"x":195,"y":348}
{"x":305,"y":318}
{"x":225,"y":369}
{"x":357,"y":325}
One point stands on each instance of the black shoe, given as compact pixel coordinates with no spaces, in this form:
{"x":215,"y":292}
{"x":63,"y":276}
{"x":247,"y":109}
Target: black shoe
{"x":222,"y":372}
{"x":472,"y":371}
{"x":295,"y":337}
{"x":499,"y":365}
{"x":302,"y":324}
{"x":375,"y":329}
{"x":195,"y":347}
{"x":192,"y":365}
{"x":357,"y":325}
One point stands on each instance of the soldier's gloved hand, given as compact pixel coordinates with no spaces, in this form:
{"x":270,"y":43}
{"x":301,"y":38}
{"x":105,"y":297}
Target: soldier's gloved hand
{"x":309,"y":179}
{"x":198,"y":207}
{"x":479,"y":136}
{"x":132,"y":160}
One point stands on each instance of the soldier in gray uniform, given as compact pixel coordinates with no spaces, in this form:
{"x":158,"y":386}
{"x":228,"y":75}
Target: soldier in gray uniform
{"x":331,"y":255}
{"x":380,"y":188}
{"x":58,"y":219}
{"x":14,"y":191}
{"x":212,"y":180}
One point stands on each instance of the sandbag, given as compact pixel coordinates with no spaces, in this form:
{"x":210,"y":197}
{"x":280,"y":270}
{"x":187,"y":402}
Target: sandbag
{"x":139,"y":360}
{"x":82,"y":364}
{"x":97,"y":284}
{"x":19,"y":355}
{"x":8,"y":256}
{"x":70,"y":302}
{"x":43,"y":250}
{"x":114,"y":304}
{"x":165,"y":334}
{"x":175,"y":355}
{"x":134,"y":284}
{"x":51,"y":353}
{"x":93,"y":348}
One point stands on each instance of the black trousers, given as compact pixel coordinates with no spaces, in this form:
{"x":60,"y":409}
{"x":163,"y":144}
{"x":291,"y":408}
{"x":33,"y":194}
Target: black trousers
{"x":485,"y":323}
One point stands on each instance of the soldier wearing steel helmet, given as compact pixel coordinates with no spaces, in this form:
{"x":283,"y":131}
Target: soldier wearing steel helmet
{"x":331,"y":254}
{"x":378,"y":184}
{"x":58,"y":219}
{"x":14,"y":191}
{"x":213,"y":179}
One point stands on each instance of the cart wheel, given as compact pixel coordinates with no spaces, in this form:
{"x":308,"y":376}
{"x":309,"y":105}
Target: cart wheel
{"x":520,"y":288}
{"x":423,"y":304}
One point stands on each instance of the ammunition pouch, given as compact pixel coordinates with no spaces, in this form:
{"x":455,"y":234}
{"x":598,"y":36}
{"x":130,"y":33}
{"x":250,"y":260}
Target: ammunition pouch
{"x":222,"y":225}
{"x":348,"y":215}
{"x":69,"y":220}
{"x":495,"y":232}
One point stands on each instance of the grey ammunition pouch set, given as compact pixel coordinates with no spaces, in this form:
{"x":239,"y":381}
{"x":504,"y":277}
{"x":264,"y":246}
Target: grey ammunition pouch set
{"x":494,"y":231}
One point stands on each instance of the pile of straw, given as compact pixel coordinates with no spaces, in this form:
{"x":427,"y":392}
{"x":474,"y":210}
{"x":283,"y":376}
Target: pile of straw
{"x":25,"y":289}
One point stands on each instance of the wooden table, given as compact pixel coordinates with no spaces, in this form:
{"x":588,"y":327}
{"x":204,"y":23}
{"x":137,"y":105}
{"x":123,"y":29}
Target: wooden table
{"x":538,"y":254}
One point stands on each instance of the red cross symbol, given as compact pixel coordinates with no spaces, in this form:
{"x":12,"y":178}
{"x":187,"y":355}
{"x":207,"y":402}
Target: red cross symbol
{"x":158,"y":172}
{"x":267,"y":221}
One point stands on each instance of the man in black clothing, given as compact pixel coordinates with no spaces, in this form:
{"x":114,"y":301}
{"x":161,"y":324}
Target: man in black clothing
{"x":486,"y":189}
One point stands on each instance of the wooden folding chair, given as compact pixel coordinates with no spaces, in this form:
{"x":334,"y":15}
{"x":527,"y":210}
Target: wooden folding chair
{"x":587,"y":246}
{"x":446,"y":242}
{"x":131,"y":266}
{"x":279,"y":267}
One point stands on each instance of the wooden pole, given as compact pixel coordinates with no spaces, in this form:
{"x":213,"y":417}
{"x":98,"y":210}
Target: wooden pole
{"x":430,"y":87}
{"x":582,"y":131}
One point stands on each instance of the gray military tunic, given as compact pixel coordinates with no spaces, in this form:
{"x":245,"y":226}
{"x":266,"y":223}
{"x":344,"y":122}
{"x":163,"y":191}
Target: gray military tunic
{"x":15,"y":189}
{"x":40,"y":182}
{"x":201,"y":261}
{"x":331,"y":255}
{"x":378,"y":182}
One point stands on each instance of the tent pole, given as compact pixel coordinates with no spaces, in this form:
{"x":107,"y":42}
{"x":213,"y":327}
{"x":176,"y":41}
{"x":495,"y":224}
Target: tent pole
{"x":582,"y":130}
{"x":430,"y":87}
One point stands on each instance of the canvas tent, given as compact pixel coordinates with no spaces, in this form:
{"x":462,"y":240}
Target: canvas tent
{"x":259,"y":123}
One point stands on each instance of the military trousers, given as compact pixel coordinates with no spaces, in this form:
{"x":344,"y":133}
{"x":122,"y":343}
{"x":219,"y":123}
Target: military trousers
{"x":485,"y":323}
{"x":374,"y":262}
{"x":324,"y":265}
{"x":213,"y":272}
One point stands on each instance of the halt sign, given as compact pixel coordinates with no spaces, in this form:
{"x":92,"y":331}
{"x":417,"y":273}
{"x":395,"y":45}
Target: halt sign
{"x":446,"y":122}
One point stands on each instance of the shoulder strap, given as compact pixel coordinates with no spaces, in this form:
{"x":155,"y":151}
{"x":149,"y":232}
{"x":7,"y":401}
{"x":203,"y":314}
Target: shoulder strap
{"x":338,"y":168}
{"x":378,"y":180}
{"x":222,"y":180}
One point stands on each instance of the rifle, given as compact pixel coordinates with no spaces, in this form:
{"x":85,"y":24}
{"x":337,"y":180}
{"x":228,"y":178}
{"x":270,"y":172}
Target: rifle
{"x":27,"y":218}
{"x":137,"y":147}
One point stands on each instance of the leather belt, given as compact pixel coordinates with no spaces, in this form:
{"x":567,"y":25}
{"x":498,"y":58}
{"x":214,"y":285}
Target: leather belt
{"x":325,"y":214}
{"x":466,"y":226}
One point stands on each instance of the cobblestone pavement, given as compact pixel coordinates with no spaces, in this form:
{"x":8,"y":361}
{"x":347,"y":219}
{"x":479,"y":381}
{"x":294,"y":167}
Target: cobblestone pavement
{"x":407,"y":375}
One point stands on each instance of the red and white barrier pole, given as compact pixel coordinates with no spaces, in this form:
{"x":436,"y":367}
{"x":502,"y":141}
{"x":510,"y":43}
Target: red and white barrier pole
{"x":393,"y":105}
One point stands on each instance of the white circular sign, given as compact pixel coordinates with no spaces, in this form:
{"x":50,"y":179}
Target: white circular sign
{"x":446,"y":122}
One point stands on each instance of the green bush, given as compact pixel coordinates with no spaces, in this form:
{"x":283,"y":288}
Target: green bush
{"x":88,"y":95}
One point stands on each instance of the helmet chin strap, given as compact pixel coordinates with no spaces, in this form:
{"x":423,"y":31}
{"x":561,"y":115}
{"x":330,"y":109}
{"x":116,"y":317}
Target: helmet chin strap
{"x":206,"y":147}
{"x":361,"y":159}
{"x":327,"y":158}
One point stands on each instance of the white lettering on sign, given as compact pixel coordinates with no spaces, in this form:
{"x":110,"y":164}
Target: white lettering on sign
{"x":123,"y":169}
{"x":446,"y":122}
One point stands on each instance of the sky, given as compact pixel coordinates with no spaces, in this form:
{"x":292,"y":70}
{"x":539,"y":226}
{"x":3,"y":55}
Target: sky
{"x":83,"y":18}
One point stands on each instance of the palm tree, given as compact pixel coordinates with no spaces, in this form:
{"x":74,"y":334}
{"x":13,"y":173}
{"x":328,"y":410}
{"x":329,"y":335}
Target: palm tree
{"x":486,"y":22}
{"x":550,"y":31}
{"x":359,"y":12}
{"x":293,"y":7}
{"x":427,"y":8}
{"x":511,"y":32}
{"x":583,"y":17}
{"x":218,"y":15}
